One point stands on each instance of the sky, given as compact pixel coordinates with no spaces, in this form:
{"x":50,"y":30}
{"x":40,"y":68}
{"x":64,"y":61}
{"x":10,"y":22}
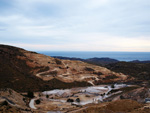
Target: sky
{"x":76,"y":25}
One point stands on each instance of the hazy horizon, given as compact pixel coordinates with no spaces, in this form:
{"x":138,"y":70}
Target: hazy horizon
{"x":121,"y":56}
{"x":94,"y":51}
{"x":87,"y":25}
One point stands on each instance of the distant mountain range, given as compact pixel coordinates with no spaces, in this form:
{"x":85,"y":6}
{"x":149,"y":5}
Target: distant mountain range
{"x":99,"y":61}
{"x":137,"y":61}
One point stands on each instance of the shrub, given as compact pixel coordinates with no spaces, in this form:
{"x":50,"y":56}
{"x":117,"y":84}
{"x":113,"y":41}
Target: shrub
{"x":98,"y":73}
{"x":78,"y":100}
{"x":37,"y":101}
{"x":70,"y":100}
{"x":47,"y":96}
{"x":88,"y":69}
{"x":24,"y":99}
{"x":30,"y":94}
{"x":102,"y":94}
{"x":122,"y":97}
{"x":110,"y":77}
{"x":112,"y":86}
{"x":58,"y":61}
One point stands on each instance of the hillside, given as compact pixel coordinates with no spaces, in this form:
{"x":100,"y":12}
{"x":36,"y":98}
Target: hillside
{"x":140,"y":71}
{"x":137,"y":69}
{"x":119,"y":106}
{"x":24,"y":70}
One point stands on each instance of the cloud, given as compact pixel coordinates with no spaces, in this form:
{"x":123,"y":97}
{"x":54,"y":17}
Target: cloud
{"x":100,"y":25}
{"x":96,"y":42}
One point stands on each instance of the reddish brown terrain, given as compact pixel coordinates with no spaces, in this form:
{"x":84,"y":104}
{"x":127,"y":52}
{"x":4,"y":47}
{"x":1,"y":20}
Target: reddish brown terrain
{"x":23,"y":70}
{"x":119,"y":106}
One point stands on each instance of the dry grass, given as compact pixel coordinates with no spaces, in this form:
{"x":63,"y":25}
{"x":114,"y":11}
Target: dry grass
{"x":120,"y":106}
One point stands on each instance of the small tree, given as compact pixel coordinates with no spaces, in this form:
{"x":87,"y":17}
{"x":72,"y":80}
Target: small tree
{"x":70,"y":100}
{"x":47,"y":96}
{"x":39,"y":95}
{"x":78,"y":100}
{"x":30,"y":94}
{"x":112,"y":86}
{"x":38,"y":101}
{"x":122,"y":97}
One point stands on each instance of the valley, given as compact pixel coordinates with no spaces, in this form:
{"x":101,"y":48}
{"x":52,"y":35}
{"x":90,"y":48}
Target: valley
{"x":35,"y":83}
{"x":68,"y":100}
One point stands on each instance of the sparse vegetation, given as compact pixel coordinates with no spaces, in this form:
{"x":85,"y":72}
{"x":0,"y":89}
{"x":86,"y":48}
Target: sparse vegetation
{"x":110,"y":77}
{"x":97,"y":73}
{"x":120,"y":106}
{"x":141,"y":71}
{"x":88,"y":69}
{"x":16,"y":74}
{"x":122,"y":97}
{"x":42,"y":69}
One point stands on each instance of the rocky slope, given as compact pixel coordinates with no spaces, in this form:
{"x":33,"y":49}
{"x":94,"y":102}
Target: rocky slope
{"x":24,"y":70}
{"x":13,"y":102}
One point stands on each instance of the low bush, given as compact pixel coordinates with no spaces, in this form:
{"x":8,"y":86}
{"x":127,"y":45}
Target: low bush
{"x":30,"y":94}
{"x":58,"y":61}
{"x":37,"y":101}
{"x":88,"y":69}
{"x":78,"y":100}
{"x":70,"y":100}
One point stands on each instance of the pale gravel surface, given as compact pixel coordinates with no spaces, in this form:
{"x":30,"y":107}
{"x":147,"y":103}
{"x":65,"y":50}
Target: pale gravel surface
{"x":31,"y":104}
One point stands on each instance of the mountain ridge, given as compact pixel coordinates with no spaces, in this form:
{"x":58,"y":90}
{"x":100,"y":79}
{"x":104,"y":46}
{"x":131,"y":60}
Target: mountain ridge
{"x":100,"y":61}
